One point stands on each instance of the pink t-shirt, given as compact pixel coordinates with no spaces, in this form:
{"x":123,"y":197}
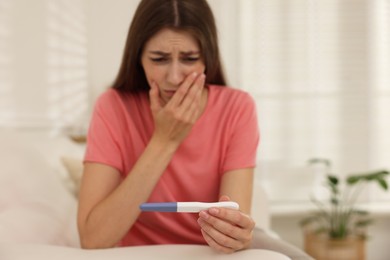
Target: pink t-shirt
{"x":224,"y":138}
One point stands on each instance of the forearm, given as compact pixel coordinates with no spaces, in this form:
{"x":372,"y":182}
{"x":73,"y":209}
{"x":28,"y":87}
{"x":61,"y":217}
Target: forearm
{"x":110,"y":219}
{"x":232,"y":184}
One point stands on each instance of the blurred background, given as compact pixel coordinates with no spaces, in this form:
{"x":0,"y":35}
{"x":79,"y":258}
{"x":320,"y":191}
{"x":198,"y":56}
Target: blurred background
{"x":319,"y":71}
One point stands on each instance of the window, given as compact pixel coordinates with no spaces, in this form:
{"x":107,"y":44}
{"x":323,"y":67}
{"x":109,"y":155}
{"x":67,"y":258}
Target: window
{"x":319,"y":72}
{"x":380,"y":121}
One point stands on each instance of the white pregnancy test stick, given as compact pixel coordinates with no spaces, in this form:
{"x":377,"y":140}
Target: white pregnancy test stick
{"x":187,"y":206}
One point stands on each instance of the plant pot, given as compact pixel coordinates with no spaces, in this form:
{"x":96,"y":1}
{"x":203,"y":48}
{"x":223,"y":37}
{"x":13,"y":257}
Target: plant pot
{"x":322,"y":247}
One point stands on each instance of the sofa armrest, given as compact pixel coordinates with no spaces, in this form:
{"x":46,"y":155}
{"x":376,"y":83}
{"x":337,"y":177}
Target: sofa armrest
{"x":260,"y":207}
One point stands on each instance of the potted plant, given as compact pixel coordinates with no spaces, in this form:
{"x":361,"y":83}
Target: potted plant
{"x":337,"y":230}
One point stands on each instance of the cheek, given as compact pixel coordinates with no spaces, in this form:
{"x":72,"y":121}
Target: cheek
{"x":153,"y":73}
{"x":200,"y":68}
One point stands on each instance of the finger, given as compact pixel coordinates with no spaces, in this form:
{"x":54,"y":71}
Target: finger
{"x":233,"y":216}
{"x":224,"y":198}
{"x":192,"y":102}
{"x":195,"y":92}
{"x":200,"y":82}
{"x":154,"y":96}
{"x":182,"y":90}
{"x":220,"y":238}
{"x":189,"y":109}
{"x":211,"y":242}
{"x":227,"y":228}
{"x":192,"y":114}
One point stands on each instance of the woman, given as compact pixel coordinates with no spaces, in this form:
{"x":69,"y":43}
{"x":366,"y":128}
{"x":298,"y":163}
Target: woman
{"x":169,"y":130}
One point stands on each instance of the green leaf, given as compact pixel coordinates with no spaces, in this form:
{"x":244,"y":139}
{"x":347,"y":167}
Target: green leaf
{"x":383,"y":173}
{"x":353,"y":179}
{"x":333,"y":180}
{"x":320,"y":160}
{"x":339,"y":218}
{"x":383,"y":184}
{"x":371,"y":177}
{"x":380,"y":174}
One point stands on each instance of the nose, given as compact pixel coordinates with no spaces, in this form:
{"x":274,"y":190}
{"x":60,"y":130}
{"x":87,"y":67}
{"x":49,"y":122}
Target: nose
{"x":175,"y":74}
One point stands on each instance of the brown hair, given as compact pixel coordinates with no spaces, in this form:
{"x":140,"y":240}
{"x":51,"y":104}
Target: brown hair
{"x":193,"y":16}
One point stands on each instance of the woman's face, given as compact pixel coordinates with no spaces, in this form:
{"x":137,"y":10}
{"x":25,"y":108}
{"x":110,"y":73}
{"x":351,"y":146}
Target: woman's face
{"x":168,"y":57}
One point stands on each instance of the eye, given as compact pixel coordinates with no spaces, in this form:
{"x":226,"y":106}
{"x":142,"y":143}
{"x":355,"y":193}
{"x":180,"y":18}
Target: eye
{"x":190,"y":59}
{"x":159,"y":60}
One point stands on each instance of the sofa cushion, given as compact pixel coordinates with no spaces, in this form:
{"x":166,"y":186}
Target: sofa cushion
{"x":74,"y":167}
{"x":35,"y":205}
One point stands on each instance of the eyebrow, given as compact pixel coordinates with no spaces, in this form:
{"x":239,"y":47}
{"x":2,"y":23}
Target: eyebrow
{"x":185,"y":53}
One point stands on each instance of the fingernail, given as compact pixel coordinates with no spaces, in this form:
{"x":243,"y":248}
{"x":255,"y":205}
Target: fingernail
{"x":194,"y":74}
{"x":203,"y":214}
{"x":214,"y":211}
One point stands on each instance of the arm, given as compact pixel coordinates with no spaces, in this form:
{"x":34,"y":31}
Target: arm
{"x":228,"y":230}
{"x":231,"y":230}
{"x":237,"y":185}
{"x":108,"y":205}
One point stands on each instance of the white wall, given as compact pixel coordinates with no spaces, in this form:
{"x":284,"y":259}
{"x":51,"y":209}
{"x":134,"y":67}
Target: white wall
{"x":44,"y":73}
{"x":27,"y":60}
{"x":108,"y":23}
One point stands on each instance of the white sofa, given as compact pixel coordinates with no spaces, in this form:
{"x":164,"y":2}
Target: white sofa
{"x":38,"y":204}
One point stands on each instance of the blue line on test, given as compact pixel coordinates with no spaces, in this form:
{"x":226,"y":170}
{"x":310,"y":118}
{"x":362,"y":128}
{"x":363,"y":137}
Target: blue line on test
{"x":161,"y":207}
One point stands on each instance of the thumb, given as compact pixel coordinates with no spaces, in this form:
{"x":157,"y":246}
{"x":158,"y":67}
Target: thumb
{"x":224,"y":198}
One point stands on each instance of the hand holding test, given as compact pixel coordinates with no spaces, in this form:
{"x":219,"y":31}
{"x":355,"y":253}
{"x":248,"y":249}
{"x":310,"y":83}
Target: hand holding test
{"x":187,"y":206}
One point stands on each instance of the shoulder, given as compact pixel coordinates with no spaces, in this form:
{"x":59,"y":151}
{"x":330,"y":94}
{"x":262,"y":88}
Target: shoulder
{"x":106,"y":99}
{"x":109,"y":96}
{"x":113,"y":99}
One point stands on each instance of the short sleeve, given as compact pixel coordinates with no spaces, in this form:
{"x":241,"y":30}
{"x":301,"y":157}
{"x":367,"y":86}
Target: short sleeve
{"x":244,"y":138}
{"x":104,"y":138}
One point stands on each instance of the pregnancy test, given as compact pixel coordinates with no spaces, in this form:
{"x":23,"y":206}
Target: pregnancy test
{"x":186,"y":206}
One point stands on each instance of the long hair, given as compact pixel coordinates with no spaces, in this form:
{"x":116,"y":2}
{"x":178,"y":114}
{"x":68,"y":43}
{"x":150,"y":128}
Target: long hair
{"x":193,"y":16}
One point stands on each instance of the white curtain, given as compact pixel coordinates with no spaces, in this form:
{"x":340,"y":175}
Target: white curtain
{"x":319,"y":72}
